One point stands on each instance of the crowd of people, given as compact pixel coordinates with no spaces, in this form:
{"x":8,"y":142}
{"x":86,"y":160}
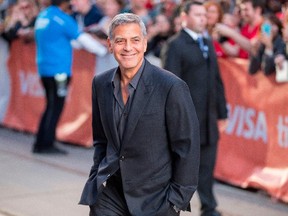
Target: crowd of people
{"x":184,"y":37}
{"x":235,"y":26}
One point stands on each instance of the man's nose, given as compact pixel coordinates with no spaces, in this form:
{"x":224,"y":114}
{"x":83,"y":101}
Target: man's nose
{"x":128,"y":45}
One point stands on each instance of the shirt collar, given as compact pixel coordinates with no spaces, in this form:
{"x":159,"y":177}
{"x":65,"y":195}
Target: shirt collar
{"x":135,"y":80}
{"x":193,"y":34}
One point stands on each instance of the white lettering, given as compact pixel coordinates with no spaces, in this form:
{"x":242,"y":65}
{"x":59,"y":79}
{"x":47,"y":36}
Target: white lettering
{"x":283,"y":131}
{"x":240,"y":121}
{"x":261,"y":128}
{"x":232,"y":119}
{"x":248,"y":133}
{"x":30,"y":85}
{"x":42,"y":23}
{"x":247,"y":123}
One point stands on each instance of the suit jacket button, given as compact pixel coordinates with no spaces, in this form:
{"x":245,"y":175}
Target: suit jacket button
{"x":122,"y":158}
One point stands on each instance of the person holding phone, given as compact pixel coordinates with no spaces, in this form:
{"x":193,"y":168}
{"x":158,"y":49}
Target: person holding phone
{"x":269,"y":46}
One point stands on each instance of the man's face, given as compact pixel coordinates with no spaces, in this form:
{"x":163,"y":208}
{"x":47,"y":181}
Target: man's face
{"x":247,"y":12}
{"x":196,"y":19}
{"x":79,"y":5}
{"x":26,"y":7}
{"x":128,"y":46}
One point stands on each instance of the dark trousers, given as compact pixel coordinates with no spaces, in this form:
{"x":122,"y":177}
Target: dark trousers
{"x":50,"y":117}
{"x":111,"y":202}
{"x":206,"y":179}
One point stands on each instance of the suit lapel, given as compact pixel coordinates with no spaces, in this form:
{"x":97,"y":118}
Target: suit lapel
{"x":188,"y":38}
{"x":109,"y":109}
{"x":143,"y":92}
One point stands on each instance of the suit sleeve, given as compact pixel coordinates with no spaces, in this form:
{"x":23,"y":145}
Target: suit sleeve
{"x":222,"y":111}
{"x":183,"y":132}
{"x":99,"y":138}
{"x":255,"y":61}
{"x":269,"y":64}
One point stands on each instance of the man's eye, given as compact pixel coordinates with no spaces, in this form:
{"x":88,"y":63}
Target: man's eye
{"x":119,"y":41}
{"x":136,"y":40}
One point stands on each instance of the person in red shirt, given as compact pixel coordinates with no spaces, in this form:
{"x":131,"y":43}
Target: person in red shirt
{"x":251,"y":13}
{"x":228,"y":45}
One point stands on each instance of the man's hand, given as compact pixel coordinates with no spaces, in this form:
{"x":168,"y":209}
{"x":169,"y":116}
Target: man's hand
{"x":279,"y":60}
{"x":222,"y":125}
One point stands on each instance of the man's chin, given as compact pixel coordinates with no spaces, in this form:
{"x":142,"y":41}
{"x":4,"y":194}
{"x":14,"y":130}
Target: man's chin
{"x":128,"y":65}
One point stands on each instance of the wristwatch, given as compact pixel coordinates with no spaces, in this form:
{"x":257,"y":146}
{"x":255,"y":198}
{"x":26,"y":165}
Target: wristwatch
{"x":177,"y":210}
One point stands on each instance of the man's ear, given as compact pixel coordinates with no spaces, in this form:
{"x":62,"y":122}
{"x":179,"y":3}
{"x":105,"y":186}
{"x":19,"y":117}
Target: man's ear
{"x":109,"y":45}
{"x":183,"y":17}
{"x":146,"y":43}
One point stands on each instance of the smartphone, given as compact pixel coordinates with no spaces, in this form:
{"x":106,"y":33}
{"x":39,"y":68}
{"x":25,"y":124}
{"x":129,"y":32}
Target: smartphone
{"x":266,"y":29}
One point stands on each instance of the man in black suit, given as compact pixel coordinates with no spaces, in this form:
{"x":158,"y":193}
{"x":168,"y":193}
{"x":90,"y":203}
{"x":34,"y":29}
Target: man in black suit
{"x":145,"y":133}
{"x":196,"y":63}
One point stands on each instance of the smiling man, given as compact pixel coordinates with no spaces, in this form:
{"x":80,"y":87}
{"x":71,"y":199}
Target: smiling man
{"x":145,"y":133}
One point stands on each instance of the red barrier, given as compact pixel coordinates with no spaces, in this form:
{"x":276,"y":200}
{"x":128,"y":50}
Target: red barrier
{"x":27,"y":101}
{"x":252,"y":151}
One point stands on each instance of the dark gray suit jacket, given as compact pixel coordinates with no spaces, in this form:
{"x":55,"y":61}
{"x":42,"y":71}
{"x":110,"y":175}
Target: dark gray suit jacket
{"x":183,"y":57}
{"x":159,"y":155}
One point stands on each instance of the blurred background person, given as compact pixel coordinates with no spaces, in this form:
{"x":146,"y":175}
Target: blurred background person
{"x":269,"y":46}
{"x":251,"y":13}
{"x":227,"y":5}
{"x":176,"y":22}
{"x":86,"y":13}
{"x":274,"y":7}
{"x":4,"y":7}
{"x":139,"y":7}
{"x":284,"y":7}
{"x":279,"y":59}
{"x":214,"y":16}
{"x":5,"y":11}
{"x":197,"y":65}
{"x":54,"y":31}
{"x":42,"y":4}
{"x":158,"y":34}
{"x":100,"y":3}
{"x":4,"y":53}
{"x":110,"y":9}
{"x":228,"y":45}
{"x":21,"y":21}
{"x":165,"y":7}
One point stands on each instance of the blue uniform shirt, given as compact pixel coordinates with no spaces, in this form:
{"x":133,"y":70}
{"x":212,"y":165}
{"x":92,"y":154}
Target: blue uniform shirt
{"x":54,"y":29}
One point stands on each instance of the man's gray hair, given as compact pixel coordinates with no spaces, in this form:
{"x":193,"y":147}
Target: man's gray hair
{"x":126,"y":18}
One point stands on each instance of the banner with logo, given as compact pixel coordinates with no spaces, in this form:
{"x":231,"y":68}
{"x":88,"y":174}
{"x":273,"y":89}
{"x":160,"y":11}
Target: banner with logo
{"x":252,"y":151}
{"x":27,"y":101}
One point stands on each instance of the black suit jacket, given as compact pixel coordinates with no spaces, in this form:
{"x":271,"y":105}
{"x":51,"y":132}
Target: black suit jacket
{"x":159,"y":155}
{"x":183,"y":57}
